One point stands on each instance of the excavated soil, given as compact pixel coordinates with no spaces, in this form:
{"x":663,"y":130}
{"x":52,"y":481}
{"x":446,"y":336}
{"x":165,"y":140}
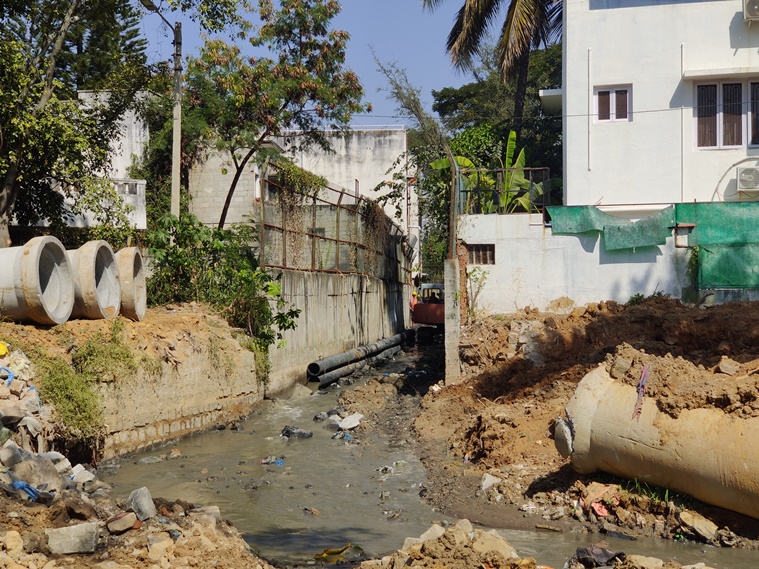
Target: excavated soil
{"x":521,"y":370}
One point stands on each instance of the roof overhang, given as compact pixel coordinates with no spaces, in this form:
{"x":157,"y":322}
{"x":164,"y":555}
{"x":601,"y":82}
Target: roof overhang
{"x":551,"y":99}
{"x":720,"y":73}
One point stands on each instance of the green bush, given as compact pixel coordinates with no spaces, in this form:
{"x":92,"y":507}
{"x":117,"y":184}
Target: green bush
{"x":193,"y":262}
{"x":104,"y":359}
{"x":74,"y":396}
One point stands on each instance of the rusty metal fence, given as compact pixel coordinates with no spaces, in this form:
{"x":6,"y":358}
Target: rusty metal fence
{"x":330,"y":230}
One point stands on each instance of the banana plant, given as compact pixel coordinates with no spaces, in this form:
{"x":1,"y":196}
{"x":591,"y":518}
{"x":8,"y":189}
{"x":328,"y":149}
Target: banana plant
{"x":475,"y":181}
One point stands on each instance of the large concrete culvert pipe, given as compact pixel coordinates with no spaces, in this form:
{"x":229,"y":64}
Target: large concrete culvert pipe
{"x":97,"y":293}
{"x":36,"y":282}
{"x":704,"y":452}
{"x":132,"y":279}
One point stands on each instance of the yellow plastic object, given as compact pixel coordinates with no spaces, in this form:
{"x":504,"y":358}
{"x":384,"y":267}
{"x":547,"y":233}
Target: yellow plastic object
{"x":3,"y":349}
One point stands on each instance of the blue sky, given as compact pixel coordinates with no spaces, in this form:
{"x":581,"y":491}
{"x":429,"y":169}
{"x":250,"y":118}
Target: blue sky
{"x":399,"y":31}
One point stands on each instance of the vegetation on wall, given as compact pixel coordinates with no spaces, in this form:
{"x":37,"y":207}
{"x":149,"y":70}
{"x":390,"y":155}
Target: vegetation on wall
{"x":195,"y":263}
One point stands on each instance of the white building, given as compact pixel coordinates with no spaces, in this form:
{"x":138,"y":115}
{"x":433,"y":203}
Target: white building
{"x":661,"y":102}
{"x":660,"y":106}
{"x":359,"y":163}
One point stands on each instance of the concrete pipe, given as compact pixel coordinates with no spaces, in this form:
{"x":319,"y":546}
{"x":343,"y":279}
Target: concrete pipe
{"x":132,"y":279}
{"x":704,"y":452}
{"x":97,"y":293}
{"x":36,"y":282}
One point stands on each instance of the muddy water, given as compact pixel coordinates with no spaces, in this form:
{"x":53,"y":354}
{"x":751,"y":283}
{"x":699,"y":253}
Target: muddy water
{"x":329,"y":492}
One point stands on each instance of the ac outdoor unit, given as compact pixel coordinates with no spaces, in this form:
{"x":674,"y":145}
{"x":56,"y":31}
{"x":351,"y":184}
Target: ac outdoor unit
{"x":748,"y":179}
{"x":750,"y":10}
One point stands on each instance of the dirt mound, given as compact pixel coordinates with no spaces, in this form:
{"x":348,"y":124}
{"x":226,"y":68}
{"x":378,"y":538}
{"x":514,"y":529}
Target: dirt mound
{"x":520,"y":372}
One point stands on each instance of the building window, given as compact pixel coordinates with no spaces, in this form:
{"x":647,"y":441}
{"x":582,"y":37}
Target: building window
{"x":723,"y":119}
{"x":481,"y":254}
{"x":613,"y":103}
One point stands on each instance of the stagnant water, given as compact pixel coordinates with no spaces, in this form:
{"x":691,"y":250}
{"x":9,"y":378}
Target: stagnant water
{"x":330,"y":492}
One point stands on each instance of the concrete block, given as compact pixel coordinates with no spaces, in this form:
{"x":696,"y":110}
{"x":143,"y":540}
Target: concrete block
{"x":141,"y":503}
{"x":82,"y":538}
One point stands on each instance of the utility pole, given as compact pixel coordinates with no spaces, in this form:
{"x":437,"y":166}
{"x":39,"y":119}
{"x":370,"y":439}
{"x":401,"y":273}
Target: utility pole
{"x":176,"y":144}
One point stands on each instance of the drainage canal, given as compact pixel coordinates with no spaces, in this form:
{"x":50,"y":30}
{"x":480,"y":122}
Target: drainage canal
{"x":319,"y":492}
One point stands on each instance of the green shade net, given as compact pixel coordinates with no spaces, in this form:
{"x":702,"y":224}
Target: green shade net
{"x":723,"y":223}
{"x":581,"y":219}
{"x":619,"y":232}
{"x":646,"y":232}
{"x":729,"y":266}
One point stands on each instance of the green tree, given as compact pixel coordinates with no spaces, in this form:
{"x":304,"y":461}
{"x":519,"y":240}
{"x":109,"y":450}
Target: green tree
{"x":427,"y":143}
{"x":528,"y":24}
{"x":245,"y":101}
{"x":50,"y":144}
{"x":485,"y":101}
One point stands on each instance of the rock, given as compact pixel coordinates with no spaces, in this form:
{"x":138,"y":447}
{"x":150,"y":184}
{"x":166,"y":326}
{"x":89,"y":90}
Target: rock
{"x":82,"y":475}
{"x":483,"y":542}
{"x":77,"y":507}
{"x":10,"y":412}
{"x":141,"y":503}
{"x":63,"y":467}
{"x":13,"y":544}
{"x":160,"y":548}
{"x":212,"y":511}
{"x":699,"y":524}
{"x":39,"y":472}
{"x":150,"y":460}
{"x":5,"y":393}
{"x":433,"y":532}
{"x":17,"y":387}
{"x":464,"y":525}
{"x":619,"y":367}
{"x":488,"y":480}
{"x":296,"y":433}
{"x":409,"y":542}
{"x":350,"y":422}
{"x":642,"y":562}
{"x":11,"y":454}
{"x":173,"y":454}
{"x":321,"y":416}
{"x":108,"y":564}
{"x":728,"y":366}
{"x":82,"y":538}
{"x":121,"y":523}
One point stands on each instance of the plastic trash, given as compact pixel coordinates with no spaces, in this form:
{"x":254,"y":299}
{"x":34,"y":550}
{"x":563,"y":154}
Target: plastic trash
{"x":271,"y":459}
{"x":10,"y":373}
{"x":35,"y":494}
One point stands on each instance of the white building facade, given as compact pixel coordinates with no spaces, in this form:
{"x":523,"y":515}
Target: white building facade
{"x":661,"y":102}
{"x":660,"y":107}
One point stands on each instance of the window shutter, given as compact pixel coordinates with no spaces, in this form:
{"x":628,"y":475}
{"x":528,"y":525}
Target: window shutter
{"x":604,"y":105}
{"x":707,"y":115}
{"x":732,"y":114}
{"x":620,"y":98}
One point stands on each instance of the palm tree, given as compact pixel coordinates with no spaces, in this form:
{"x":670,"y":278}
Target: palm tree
{"x":529,"y":24}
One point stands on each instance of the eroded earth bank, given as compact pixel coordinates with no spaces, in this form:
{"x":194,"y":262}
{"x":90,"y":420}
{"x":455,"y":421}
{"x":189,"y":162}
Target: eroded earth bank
{"x":487,"y":444}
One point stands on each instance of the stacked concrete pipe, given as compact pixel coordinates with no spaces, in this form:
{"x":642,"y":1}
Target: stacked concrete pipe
{"x":36,"y":282}
{"x":97,"y":291}
{"x":132,"y":278}
{"x":704,"y":452}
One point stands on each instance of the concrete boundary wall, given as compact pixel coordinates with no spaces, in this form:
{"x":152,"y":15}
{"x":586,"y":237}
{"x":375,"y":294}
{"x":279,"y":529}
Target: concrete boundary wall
{"x":205,"y":378}
{"x":535,"y":268}
{"x":339,"y":312}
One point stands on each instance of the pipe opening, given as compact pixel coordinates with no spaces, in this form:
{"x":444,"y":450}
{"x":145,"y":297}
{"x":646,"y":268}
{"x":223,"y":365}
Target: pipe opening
{"x":107,"y":287}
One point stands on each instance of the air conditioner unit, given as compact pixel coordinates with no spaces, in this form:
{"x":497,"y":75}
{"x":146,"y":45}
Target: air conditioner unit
{"x":748,"y":179}
{"x":750,"y":10}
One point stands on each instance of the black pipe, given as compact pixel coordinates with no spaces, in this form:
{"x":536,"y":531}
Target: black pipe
{"x":334,"y":375}
{"x":321,"y":367}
